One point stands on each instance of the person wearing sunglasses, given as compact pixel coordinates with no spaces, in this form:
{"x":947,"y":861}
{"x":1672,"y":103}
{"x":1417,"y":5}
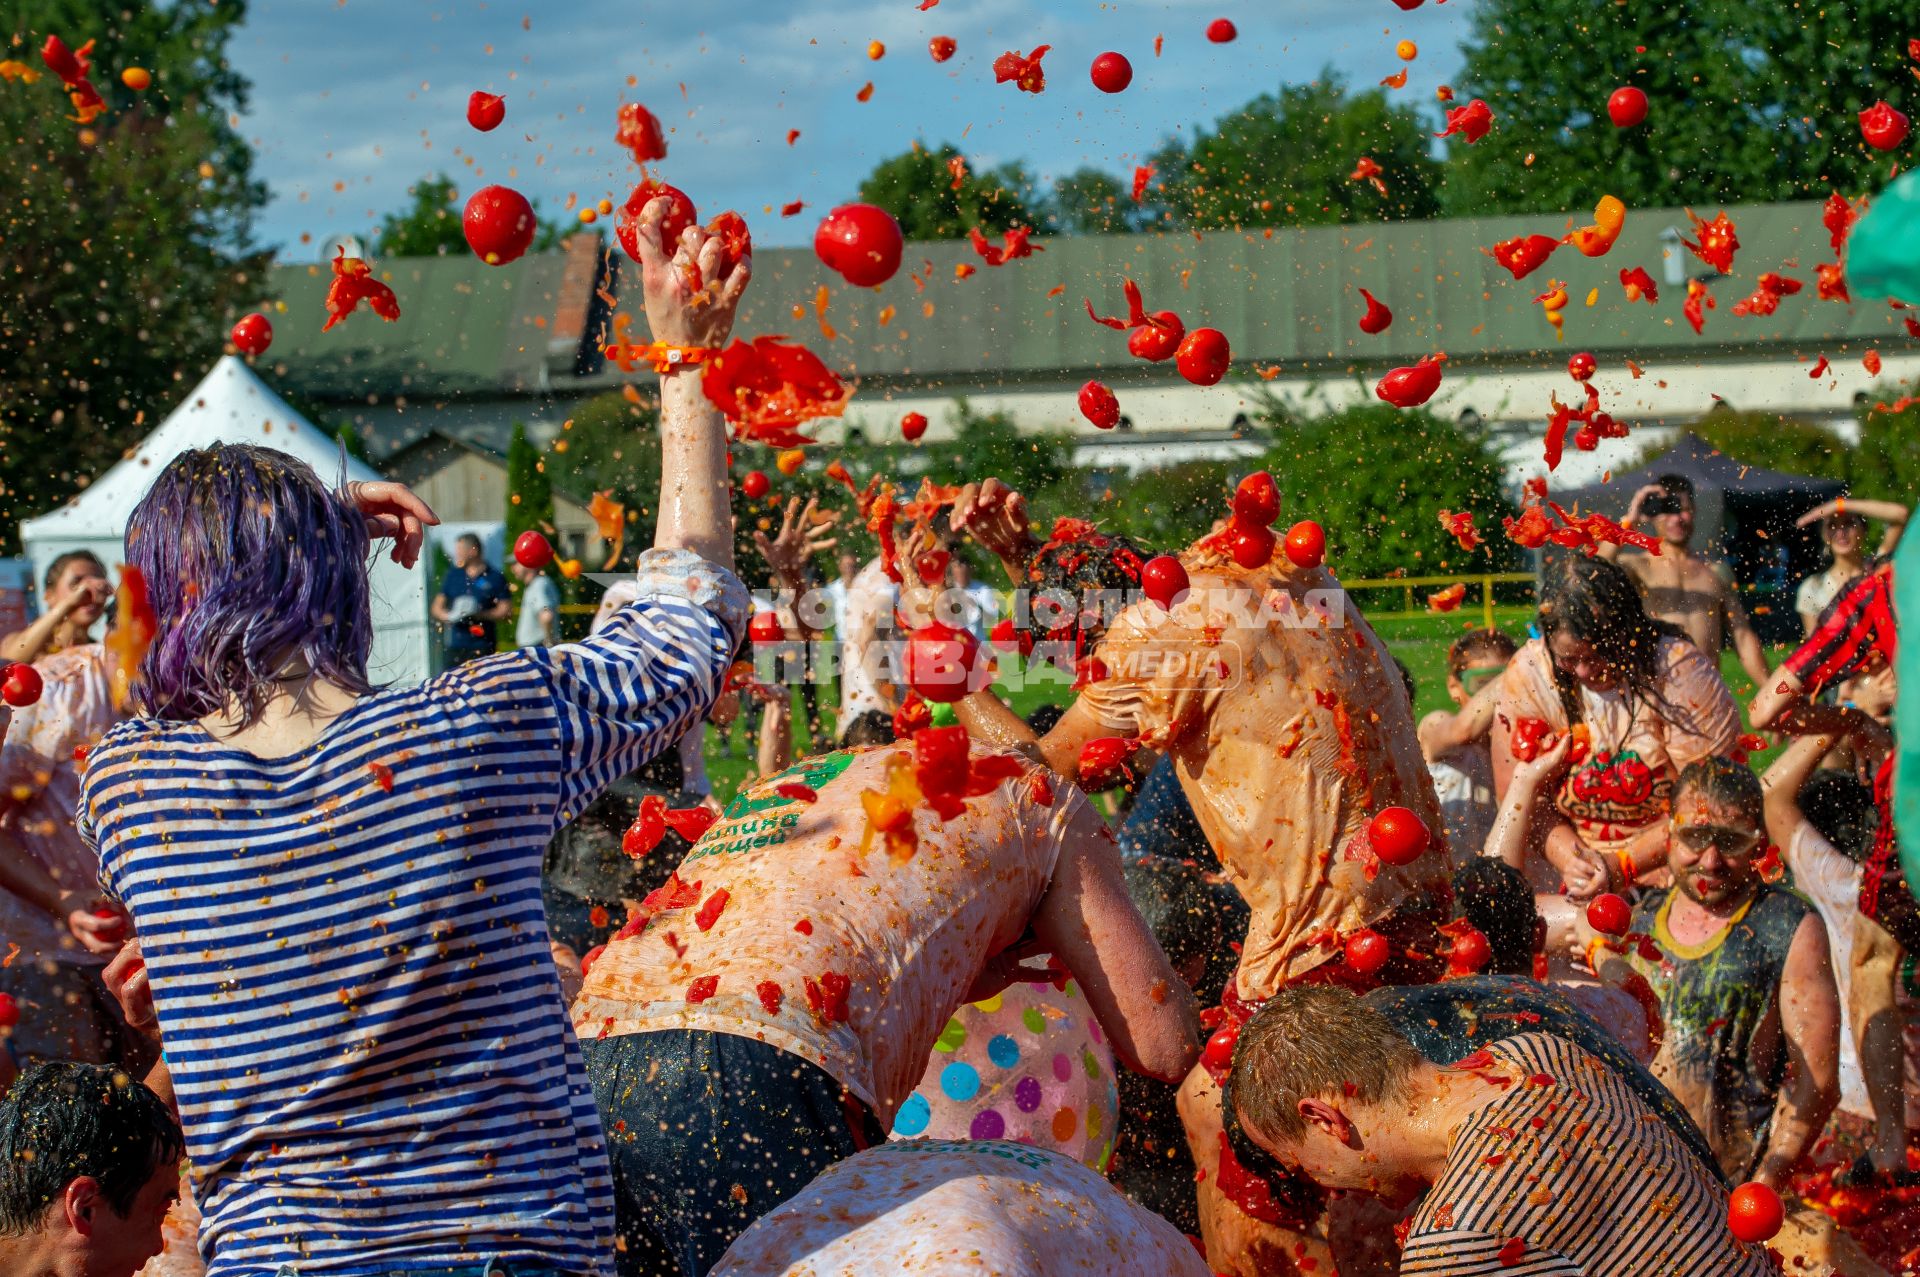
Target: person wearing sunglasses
{"x":1455,"y":743}
{"x":1743,"y":977}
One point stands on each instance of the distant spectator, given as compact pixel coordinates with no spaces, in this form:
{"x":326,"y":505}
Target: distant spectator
{"x":73,"y":597}
{"x":89,"y":1164}
{"x":836,"y":591}
{"x":1681,"y":587}
{"x":1843,"y":530}
{"x":539,"y":623}
{"x":472,"y":600}
{"x":1650,"y":703}
{"x":1455,"y":743}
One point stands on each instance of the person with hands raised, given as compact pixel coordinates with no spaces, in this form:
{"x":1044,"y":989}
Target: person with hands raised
{"x":76,"y":594}
{"x":789,"y":554}
{"x":1843,"y":530}
{"x":370,"y":941}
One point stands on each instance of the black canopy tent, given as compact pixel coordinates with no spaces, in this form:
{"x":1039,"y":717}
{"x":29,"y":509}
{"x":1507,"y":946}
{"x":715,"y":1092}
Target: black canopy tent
{"x":1745,"y":514}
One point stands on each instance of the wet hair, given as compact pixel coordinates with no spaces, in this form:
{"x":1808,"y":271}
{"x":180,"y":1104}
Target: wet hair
{"x":1477,"y":645}
{"x":1044,"y":718}
{"x":1078,"y":561}
{"x":62,"y":561}
{"x":1496,"y":899}
{"x":1596,"y":602}
{"x":1725,"y":783}
{"x":1841,"y":810}
{"x":249,"y":562}
{"x":1193,"y":918}
{"x":64,"y":1120}
{"x":1315,"y":1040}
{"x":871,"y":727}
{"x":1677,"y":485}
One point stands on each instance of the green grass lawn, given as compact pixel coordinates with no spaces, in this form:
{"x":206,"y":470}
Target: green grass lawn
{"x":1419,"y":641}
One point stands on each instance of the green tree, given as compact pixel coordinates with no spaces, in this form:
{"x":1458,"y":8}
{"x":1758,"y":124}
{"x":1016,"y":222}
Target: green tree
{"x":1771,"y":442}
{"x":1377,"y":477}
{"x":529,"y":490}
{"x":1747,"y":102}
{"x":1887,"y":463}
{"x":1285,"y":159}
{"x":917,"y":187}
{"x":1090,"y":201}
{"x":431,"y":225}
{"x":1169,"y":508}
{"x":610,"y":444}
{"x":125,"y":244}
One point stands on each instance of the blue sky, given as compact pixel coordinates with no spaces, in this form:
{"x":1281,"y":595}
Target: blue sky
{"x":353,"y":101}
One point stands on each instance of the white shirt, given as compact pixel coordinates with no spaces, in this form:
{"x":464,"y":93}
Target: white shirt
{"x":980,"y":608}
{"x":1831,"y":883}
{"x":541,"y":595}
{"x":1463,"y":782}
{"x":867,"y":619}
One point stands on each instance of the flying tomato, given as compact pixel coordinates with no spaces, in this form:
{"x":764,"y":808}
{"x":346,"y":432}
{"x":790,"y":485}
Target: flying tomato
{"x":1398,"y":836}
{"x":861,"y":243}
{"x":21,"y":685}
{"x":941,"y":47}
{"x":1377,"y":317}
{"x":1718,"y":241}
{"x":1609,"y":915}
{"x":532,"y":550}
{"x":486,"y":111}
{"x":1203,"y":356}
{"x":1882,"y":127}
{"x":1582,"y":366}
{"x":1471,"y":121}
{"x":1256,"y":500}
{"x":353,"y":283}
{"x":1250,"y":546}
{"x":912,"y":426}
{"x":1754,"y":1212}
{"x":1164,"y":581}
{"x":1026,"y":72}
{"x":252,"y":334}
{"x":942,"y":663}
{"x":1222,"y":31}
{"x":754,"y":484}
{"x":1367,"y":950}
{"x":1099,"y":405}
{"x":1524,"y":254}
{"x":499,"y":224}
{"x":1639,"y":285}
{"x":1627,"y":107}
{"x":1306,"y":544}
{"x":1412,"y":386}
{"x":1112,"y":73}
{"x":638,"y":129}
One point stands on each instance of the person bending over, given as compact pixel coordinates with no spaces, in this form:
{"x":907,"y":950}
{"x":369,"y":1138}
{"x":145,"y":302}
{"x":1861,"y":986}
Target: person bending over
{"x":89,"y":1164}
{"x":775,"y":1004}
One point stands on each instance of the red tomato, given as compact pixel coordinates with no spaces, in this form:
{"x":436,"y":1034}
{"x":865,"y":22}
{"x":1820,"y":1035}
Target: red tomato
{"x":1527,"y":738}
{"x":21,"y":686}
{"x":1256,"y":502}
{"x":253,"y":334}
{"x":680,"y":215}
{"x":485,"y":110}
{"x":1368,"y":950}
{"x":1204,"y":356}
{"x":532,"y":550}
{"x":1158,"y":340}
{"x":1469,"y":953}
{"x":1883,"y":127}
{"x":1251,"y":547}
{"x":1306,"y":544}
{"x":1218,"y":1053}
{"x":638,"y":129}
{"x":1410,"y":387}
{"x":1754,"y":1212}
{"x":765,"y":627}
{"x":1098,"y":405}
{"x":912,"y":426}
{"x":941,"y":662}
{"x":1582,"y":366}
{"x":1222,"y":31}
{"x":941,"y":47}
{"x":860,"y":243}
{"x":1377,"y":317}
{"x":499,"y":224}
{"x":1103,"y":761}
{"x":1163,"y":580}
{"x":754,"y":484}
{"x":736,"y":241}
{"x":1609,"y":915}
{"x":9,"y":1011}
{"x":1398,"y":836}
{"x":1627,"y":107}
{"x":1112,"y":73}
{"x":1005,"y":637}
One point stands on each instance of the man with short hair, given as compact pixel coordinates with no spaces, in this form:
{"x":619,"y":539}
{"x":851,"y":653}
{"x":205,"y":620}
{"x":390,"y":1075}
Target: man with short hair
{"x":89,"y":1164}
{"x":1534,"y":1155}
{"x":1680,"y":586}
{"x":471,"y":601}
{"x":1752,"y":1046}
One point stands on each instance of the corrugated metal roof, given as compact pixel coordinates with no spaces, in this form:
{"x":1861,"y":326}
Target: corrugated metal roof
{"x":1289,"y":298}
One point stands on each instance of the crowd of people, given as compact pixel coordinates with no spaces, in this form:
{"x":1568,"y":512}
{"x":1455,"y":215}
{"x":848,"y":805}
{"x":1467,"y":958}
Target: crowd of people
{"x":476,"y":978}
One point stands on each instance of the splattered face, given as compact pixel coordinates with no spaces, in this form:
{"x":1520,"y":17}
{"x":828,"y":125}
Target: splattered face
{"x":1583,"y":661}
{"x":1713,"y":850}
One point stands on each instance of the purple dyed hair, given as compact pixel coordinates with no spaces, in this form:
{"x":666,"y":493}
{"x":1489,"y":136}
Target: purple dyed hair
{"x":250,"y":561}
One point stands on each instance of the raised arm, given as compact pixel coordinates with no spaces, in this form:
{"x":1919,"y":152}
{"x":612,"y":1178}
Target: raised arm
{"x":1784,"y":780}
{"x":1631,"y":518}
{"x":1441,"y":732}
{"x":1089,"y":923}
{"x":694,"y":510}
{"x":29,"y":645}
{"x":1508,"y":838}
{"x":1810,"y":1019}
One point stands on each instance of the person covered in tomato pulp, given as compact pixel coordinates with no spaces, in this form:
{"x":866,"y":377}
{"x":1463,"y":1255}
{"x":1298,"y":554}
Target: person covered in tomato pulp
{"x":1502,"y":1148}
{"x":943,"y":1206}
{"x":770,"y":1009}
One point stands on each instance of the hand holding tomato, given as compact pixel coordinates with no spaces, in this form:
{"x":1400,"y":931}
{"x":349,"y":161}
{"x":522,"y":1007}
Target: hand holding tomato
{"x":679,"y":312}
{"x":126,"y":979}
{"x":1543,"y":764}
{"x":99,"y":928}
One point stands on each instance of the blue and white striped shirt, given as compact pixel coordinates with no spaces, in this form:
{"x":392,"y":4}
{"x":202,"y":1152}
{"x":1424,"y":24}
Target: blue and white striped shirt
{"x":349,"y":959}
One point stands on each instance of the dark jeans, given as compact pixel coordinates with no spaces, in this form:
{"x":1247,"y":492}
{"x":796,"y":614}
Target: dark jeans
{"x":707,"y":1132}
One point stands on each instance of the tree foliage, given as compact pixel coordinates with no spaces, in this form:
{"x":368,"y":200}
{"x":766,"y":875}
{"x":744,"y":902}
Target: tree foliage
{"x":1169,"y":508}
{"x":1285,"y":158}
{"x":431,"y":226}
{"x":1376,"y":477}
{"x":124,"y":245}
{"x":1090,"y":201}
{"x":529,"y":490}
{"x":1748,"y":102}
{"x":918,"y":188}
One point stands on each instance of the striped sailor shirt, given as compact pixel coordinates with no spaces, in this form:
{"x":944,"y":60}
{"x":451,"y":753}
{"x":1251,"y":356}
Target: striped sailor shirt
{"x":349,"y":959}
{"x":1570,"y":1174}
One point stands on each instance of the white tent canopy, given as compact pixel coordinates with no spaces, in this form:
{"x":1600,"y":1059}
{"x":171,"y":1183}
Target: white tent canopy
{"x":233,"y":406}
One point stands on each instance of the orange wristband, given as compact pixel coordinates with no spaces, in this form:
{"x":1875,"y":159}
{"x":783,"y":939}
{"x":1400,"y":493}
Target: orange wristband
{"x":664,"y":357}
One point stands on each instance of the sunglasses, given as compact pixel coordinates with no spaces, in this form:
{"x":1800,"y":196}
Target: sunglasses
{"x":1475,"y":677}
{"x":1733,"y":843}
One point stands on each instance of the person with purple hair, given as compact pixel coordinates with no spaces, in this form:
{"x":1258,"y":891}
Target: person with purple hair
{"x":337,"y":887}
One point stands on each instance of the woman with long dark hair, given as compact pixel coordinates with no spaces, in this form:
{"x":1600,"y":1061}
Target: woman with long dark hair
{"x":337,"y":886}
{"x":1648,"y":703}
